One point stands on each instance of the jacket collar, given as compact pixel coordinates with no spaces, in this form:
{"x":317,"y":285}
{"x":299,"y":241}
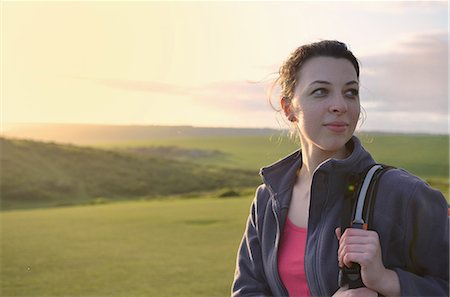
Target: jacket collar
{"x":281,"y":175}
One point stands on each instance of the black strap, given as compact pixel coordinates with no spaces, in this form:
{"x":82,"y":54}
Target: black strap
{"x":357,"y":212}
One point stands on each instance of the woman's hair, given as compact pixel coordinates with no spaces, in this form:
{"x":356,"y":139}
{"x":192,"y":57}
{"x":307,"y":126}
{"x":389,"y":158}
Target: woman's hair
{"x":289,"y":69}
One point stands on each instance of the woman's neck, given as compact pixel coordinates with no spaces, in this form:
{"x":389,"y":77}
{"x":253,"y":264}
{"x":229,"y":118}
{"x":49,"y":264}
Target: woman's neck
{"x":312,"y":157}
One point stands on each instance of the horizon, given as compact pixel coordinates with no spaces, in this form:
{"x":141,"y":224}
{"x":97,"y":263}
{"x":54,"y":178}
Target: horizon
{"x":7,"y":128}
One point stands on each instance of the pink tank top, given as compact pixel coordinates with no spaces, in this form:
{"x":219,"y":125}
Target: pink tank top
{"x":291,"y":255}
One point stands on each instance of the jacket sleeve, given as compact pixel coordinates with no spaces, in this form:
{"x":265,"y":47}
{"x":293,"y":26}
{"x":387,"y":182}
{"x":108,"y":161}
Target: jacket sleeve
{"x":249,"y":278}
{"x":426,"y":244}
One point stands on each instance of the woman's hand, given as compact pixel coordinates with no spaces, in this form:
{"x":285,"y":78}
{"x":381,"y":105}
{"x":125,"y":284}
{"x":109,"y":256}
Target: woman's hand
{"x":363,"y":247}
{"x":360,"y":292}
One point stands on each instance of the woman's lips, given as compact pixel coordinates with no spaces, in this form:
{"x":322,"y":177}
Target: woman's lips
{"x":337,"y":126}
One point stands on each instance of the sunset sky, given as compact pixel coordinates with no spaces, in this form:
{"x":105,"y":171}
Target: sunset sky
{"x":210,"y":63}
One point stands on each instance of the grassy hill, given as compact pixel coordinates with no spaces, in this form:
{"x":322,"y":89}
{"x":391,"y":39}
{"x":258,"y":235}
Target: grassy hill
{"x":49,"y":174}
{"x":423,"y":155}
{"x":37,"y":174}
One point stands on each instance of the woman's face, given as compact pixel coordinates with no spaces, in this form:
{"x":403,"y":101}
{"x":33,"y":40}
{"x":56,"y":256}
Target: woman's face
{"x":326,"y":102}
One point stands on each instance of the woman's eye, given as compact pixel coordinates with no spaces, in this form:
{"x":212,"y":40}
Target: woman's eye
{"x":319,"y":92}
{"x":352,"y":93}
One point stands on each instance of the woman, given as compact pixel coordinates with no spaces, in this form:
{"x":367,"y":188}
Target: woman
{"x":292,"y":245}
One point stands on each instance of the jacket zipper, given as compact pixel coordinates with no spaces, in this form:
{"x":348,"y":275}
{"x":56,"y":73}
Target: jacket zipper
{"x":278,"y":281}
{"x":314,"y":267}
{"x":277,"y":240}
{"x":316,"y":278}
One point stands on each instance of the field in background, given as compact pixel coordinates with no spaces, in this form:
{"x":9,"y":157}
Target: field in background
{"x":170,"y":246}
{"x":41,"y":174}
{"x":158,"y":248}
{"x":245,"y":152}
{"x":426,"y":156}
{"x":38,"y":174}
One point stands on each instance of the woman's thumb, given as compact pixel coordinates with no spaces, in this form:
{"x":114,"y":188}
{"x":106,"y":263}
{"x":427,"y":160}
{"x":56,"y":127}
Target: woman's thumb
{"x":337,"y":231}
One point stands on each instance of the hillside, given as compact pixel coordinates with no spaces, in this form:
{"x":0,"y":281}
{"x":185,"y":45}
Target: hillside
{"x":49,"y":174}
{"x":423,"y":155}
{"x":38,"y":174}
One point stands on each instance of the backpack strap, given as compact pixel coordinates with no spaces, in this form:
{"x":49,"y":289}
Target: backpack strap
{"x":357,"y":213}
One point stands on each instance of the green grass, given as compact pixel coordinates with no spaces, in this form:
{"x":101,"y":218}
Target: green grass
{"x":38,"y":174}
{"x":158,"y":248}
{"x":167,"y":247}
{"x":246,"y":152}
{"x":426,"y":156}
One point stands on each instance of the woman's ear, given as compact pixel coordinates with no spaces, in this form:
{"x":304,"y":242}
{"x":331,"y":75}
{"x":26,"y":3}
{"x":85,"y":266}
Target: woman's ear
{"x":287,"y":108}
{"x":285,"y":105}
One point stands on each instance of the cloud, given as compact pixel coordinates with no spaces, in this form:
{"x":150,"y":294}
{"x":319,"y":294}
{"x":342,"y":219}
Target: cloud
{"x":236,"y":95}
{"x":228,"y":95}
{"x":412,"y":78}
{"x":413,"y":121}
{"x":398,"y":7}
{"x":404,"y":89}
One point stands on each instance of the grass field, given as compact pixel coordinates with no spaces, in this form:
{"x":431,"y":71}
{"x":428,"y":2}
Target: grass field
{"x":39,"y":174}
{"x":172,"y":246}
{"x":158,"y":248}
{"x":426,"y":156}
{"x":246,"y":152}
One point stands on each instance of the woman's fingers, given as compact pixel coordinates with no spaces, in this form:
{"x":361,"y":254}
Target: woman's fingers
{"x":357,"y":236}
{"x":362,"y":247}
{"x":362,"y":258}
{"x":350,"y":253}
{"x":356,"y":245}
{"x":353,"y":232}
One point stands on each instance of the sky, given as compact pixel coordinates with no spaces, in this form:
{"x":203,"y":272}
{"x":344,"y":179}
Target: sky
{"x":211,"y":63}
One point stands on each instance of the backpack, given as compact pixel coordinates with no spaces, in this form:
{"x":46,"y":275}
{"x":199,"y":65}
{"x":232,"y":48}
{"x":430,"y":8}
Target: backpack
{"x":357,"y":212}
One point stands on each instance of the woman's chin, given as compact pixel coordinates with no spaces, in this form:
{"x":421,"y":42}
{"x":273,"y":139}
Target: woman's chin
{"x":333,"y":145}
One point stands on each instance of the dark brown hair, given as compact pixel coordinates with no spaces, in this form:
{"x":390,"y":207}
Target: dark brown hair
{"x":289,"y":69}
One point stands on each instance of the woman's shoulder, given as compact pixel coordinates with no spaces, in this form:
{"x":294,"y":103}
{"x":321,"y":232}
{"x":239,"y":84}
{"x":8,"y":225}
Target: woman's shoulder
{"x":405,"y":202}
{"x":402,"y":185}
{"x":400,"y":176}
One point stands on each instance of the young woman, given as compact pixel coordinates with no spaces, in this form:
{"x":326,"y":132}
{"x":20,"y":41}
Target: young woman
{"x":292,"y":245}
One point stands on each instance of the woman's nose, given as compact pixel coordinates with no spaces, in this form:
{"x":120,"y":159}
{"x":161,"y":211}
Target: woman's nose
{"x":338,"y":105}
